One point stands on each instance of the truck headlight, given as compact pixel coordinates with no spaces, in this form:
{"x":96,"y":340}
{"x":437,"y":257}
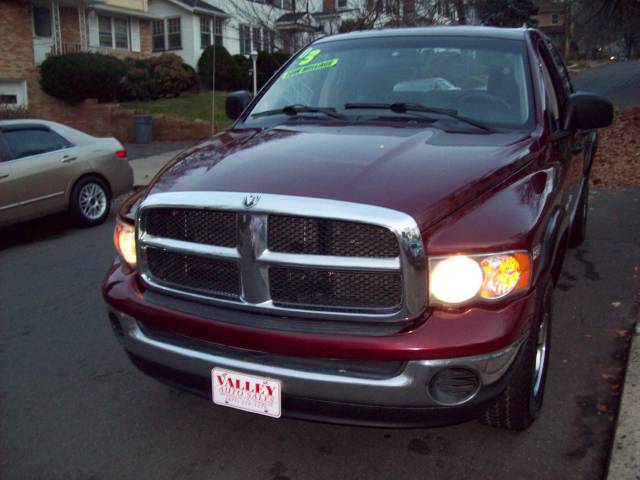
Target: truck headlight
{"x":460,"y":279}
{"x":124,"y":239}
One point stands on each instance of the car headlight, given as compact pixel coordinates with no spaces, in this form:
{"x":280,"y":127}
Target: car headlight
{"x":460,"y":279}
{"x":124,"y":239}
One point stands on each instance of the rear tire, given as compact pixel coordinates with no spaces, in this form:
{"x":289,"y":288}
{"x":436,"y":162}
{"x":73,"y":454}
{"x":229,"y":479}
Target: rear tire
{"x":579,"y":225}
{"x":90,"y":201}
{"x":521,"y":401}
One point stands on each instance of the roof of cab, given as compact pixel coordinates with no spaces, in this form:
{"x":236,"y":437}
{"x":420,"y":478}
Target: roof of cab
{"x":443,"y":31}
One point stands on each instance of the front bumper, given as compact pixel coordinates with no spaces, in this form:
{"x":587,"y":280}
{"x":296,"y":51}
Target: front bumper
{"x":389,"y":398}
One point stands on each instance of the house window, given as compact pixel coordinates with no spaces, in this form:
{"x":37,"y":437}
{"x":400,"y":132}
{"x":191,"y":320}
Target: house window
{"x":205,"y":31}
{"x":104,"y":29}
{"x":342,"y":4}
{"x":121,"y":32}
{"x":257,"y":39}
{"x":554,"y":18}
{"x":158,"y":36}
{"x":113,"y":32}
{"x":209,"y":25}
{"x":42,"y":21}
{"x":8,"y":99}
{"x":174,"y":36}
{"x":265,"y":40}
{"x":217,"y":31}
{"x":245,"y":39}
{"x":284,"y":4}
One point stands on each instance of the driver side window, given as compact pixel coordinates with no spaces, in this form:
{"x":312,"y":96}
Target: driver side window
{"x":551,"y":95}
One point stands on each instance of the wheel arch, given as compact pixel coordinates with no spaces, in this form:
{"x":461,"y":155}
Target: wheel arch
{"x":554,"y":246}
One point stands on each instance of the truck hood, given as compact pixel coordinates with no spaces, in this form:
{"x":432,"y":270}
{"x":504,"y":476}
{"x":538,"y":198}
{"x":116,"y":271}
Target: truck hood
{"x":426,"y":173}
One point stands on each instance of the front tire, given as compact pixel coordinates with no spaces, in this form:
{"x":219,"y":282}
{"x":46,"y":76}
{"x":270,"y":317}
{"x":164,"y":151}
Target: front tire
{"x":90,"y":201}
{"x":521,"y":402}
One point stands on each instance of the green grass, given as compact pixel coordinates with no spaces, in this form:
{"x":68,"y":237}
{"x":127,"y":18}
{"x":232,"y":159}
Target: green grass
{"x":188,"y":105}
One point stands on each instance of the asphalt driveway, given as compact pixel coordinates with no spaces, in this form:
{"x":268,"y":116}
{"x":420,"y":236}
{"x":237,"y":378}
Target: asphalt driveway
{"x":72,"y":407}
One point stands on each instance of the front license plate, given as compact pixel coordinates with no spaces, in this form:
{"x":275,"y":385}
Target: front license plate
{"x":247,"y":392}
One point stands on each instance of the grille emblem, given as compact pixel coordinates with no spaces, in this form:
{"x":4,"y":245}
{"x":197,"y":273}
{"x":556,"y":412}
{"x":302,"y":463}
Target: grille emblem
{"x":251,"y":200}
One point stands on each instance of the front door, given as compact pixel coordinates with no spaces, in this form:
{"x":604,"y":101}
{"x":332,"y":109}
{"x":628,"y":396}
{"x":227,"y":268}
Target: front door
{"x":42,"y":32}
{"x":43,"y":164}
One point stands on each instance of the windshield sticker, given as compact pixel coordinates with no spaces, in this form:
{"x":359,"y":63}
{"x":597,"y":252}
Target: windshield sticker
{"x":308,"y":55}
{"x":314,"y":67}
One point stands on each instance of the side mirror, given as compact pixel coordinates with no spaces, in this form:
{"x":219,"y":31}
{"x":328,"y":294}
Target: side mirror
{"x":586,"y":110}
{"x":236,"y":102}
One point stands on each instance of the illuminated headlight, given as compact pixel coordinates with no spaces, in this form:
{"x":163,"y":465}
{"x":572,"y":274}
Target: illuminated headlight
{"x":461,"y":279}
{"x":124,"y":239}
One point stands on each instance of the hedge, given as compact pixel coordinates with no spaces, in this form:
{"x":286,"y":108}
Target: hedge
{"x":152,"y":78}
{"x":77,"y":76}
{"x":234,"y":72}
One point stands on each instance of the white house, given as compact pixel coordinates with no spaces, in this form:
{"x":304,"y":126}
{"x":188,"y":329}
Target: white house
{"x":187,"y":27}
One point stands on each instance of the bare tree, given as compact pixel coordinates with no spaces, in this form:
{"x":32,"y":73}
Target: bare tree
{"x":602,"y":22}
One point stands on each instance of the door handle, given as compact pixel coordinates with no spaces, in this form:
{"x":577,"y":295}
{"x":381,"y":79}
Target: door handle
{"x":4,"y":175}
{"x":67,"y":159}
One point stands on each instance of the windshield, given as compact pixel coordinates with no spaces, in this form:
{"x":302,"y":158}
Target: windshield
{"x":482,"y":79}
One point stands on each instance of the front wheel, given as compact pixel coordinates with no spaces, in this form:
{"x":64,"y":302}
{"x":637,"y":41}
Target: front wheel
{"x":90,"y":201}
{"x":521,"y":402}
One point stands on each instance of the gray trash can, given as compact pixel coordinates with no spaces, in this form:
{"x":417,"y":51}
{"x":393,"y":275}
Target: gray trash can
{"x":142,"y":128}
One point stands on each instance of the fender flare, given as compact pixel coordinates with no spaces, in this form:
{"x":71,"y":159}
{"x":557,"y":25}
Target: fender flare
{"x":550,"y":244}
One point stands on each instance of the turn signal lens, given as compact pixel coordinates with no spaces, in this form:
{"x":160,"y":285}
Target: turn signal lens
{"x":460,"y":279}
{"x":455,"y":279}
{"x":124,"y":239}
{"x":503,"y":274}
{"x":122,"y":153}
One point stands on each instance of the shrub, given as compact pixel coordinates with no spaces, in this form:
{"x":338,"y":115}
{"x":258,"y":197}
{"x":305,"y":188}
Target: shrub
{"x":226,"y":69}
{"x":244,"y":80}
{"x":77,"y":76}
{"x":169,"y":76}
{"x":268,"y":64}
{"x":194,"y":79}
{"x":151,"y":78}
{"x":137,"y":83}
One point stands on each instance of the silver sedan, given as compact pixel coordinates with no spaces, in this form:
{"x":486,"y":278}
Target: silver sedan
{"x":47,"y":167}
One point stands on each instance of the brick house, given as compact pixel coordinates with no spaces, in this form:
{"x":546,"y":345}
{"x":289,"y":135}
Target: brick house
{"x":552,"y":19}
{"x":33,"y":29}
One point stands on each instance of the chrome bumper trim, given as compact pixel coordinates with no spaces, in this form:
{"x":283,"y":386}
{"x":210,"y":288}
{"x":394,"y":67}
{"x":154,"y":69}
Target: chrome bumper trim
{"x":406,"y":389}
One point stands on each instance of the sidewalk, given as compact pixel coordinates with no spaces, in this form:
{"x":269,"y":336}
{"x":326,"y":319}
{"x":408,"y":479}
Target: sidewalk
{"x":145,"y":168}
{"x":625,"y":454}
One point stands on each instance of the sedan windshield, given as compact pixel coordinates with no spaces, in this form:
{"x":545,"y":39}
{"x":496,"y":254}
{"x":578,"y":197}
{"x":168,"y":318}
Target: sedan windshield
{"x":485,"y":80}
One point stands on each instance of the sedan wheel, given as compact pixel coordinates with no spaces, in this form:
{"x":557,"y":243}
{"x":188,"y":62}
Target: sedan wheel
{"x":91,"y":201}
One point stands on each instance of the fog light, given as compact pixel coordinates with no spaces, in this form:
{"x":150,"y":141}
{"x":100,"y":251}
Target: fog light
{"x":453,"y":386}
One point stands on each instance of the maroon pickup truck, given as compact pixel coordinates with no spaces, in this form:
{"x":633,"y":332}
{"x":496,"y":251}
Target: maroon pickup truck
{"x":376,"y":239}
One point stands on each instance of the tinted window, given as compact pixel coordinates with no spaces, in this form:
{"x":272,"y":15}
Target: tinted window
{"x":483,"y":79}
{"x":32,"y":141}
{"x":560,"y":67}
{"x":551,"y":94}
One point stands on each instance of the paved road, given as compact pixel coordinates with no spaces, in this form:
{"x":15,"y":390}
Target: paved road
{"x":72,"y":407}
{"x":619,"y":81}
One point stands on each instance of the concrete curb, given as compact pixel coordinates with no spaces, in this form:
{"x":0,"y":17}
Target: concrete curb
{"x":625,"y":454}
{"x":144,"y":169}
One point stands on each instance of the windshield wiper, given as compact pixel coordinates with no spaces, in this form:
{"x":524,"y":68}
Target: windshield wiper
{"x":415,"y":107}
{"x":293,"y":110}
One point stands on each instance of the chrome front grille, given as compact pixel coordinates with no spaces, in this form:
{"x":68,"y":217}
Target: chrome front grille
{"x":283,"y":255}
{"x":194,"y":273}
{"x":319,"y":236}
{"x":311,"y":288}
